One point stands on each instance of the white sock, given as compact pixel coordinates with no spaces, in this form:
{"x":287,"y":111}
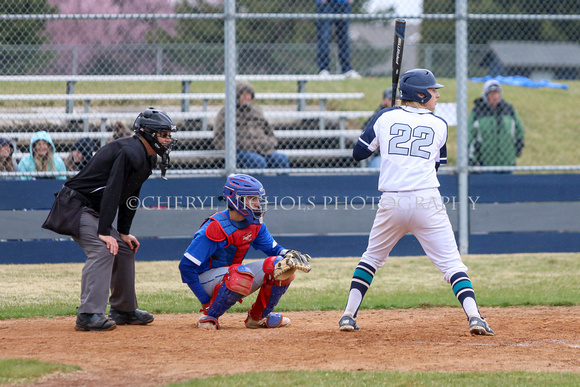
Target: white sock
{"x":354,"y":301}
{"x":470,"y":307}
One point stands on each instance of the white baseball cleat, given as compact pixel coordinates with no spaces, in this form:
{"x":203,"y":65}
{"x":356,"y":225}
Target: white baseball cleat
{"x":208,"y":322}
{"x":273,"y":320}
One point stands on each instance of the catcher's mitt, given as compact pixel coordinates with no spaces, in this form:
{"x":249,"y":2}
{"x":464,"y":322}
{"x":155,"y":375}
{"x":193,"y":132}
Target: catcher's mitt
{"x":291,"y":261}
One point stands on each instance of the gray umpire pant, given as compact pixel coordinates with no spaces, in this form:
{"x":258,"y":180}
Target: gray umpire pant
{"x":104,"y":271}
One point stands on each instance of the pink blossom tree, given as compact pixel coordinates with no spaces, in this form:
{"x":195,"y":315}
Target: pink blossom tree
{"x":108,"y":45}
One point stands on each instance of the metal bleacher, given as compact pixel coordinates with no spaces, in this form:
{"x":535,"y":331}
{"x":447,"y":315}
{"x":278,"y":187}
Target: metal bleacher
{"x":344,"y":137}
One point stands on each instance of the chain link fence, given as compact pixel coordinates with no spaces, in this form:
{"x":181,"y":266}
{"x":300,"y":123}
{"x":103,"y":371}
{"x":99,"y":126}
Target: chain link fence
{"x":82,"y":71}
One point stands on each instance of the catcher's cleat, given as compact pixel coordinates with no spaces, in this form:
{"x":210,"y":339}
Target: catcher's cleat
{"x":136,"y":317}
{"x":94,"y":322}
{"x":478,"y":326}
{"x":208,"y":322}
{"x":273,"y":320}
{"x":348,"y":324}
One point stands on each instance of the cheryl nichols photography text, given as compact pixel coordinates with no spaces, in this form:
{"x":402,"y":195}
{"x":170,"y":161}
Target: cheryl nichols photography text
{"x":303,"y":203}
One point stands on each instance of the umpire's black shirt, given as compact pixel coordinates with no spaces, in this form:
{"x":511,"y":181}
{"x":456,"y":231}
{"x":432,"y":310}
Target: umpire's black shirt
{"x":114,"y":174}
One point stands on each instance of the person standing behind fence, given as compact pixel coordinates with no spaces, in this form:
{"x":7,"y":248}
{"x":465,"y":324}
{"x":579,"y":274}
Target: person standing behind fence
{"x":255,"y":140}
{"x":7,"y":163}
{"x":80,"y":155}
{"x":496,"y":132}
{"x":42,"y":157}
{"x":323,"y":32}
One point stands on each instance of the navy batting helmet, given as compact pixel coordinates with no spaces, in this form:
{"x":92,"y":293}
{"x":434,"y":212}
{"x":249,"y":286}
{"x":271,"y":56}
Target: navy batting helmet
{"x":237,"y":189}
{"x":417,"y":81}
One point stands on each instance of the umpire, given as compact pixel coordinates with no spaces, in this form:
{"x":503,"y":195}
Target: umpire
{"x":114,"y":175}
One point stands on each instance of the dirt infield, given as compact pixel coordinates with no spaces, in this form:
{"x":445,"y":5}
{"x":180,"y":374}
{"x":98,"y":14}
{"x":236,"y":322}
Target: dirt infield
{"x":171,"y":349}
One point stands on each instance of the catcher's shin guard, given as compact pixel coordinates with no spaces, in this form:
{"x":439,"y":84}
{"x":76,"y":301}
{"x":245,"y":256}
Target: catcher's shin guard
{"x":271,"y":292}
{"x":276,"y":294}
{"x":224,"y":300}
{"x":237,"y":283}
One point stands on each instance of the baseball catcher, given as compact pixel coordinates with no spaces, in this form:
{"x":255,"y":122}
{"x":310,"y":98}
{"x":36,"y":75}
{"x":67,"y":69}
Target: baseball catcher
{"x":213,"y":268}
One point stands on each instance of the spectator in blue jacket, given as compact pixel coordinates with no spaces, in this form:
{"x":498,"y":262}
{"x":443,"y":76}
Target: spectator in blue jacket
{"x":323,"y":31}
{"x":42,"y":157}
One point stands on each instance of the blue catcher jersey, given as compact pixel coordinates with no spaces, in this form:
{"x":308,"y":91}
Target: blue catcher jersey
{"x":222,"y":242}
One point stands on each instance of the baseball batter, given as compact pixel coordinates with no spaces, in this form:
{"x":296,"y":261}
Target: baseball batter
{"x":213,"y":267}
{"x":412,"y":145}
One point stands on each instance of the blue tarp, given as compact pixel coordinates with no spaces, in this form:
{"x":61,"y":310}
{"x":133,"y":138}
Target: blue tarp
{"x":518,"y":80}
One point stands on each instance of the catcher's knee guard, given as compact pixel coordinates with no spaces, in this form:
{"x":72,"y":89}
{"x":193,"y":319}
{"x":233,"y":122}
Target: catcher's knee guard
{"x":271,"y":292}
{"x":239,"y":279}
{"x":237,"y":284}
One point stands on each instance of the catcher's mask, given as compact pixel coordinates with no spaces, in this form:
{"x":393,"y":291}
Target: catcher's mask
{"x":245,"y":195}
{"x":147,"y":125}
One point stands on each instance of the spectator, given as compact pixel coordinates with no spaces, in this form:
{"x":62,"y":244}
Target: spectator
{"x":386,"y":103}
{"x":255,"y":139}
{"x":81,"y":153}
{"x":496,"y":133}
{"x":120,"y":130}
{"x":323,"y":32}
{"x":7,"y":163}
{"x":42,"y":157}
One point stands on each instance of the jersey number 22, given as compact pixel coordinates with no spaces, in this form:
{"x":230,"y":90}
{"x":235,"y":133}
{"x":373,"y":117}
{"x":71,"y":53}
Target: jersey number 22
{"x":422,"y":137}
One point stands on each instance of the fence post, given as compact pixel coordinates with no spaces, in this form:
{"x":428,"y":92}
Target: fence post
{"x":70,"y":103}
{"x":185,"y":89}
{"x":462,"y":142}
{"x":230,"y":86}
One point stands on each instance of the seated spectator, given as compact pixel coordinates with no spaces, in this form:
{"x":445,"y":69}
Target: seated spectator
{"x":81,"y":153}
{"x":120,"y":130}
{"x":42,"y":157}
{"x":386,"y":103}
{"x":255,"y":140}
{"x":7,"y":163}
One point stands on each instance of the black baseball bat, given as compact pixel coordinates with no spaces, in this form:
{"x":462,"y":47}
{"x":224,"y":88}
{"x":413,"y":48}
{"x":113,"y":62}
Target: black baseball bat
{"x":398,"y":45}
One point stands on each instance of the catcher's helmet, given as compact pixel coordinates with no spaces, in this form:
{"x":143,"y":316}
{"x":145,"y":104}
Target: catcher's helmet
{"x":417,"y":81}
{"x":149,"y":123}
{"x":237,"y":188}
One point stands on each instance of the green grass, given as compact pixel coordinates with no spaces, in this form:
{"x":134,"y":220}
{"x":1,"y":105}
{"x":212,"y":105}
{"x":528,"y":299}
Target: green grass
{"x":19,"y":371}
{"x":551,"y":139}
{"x":392,"y":379}
{"x":404,"y":282}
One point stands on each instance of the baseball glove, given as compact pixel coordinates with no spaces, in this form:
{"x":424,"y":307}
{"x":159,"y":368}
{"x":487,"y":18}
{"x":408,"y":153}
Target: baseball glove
{"x":291,"y":261}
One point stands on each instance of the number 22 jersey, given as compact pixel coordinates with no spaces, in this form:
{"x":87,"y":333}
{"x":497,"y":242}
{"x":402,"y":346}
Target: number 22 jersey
{"x":412,"y":144}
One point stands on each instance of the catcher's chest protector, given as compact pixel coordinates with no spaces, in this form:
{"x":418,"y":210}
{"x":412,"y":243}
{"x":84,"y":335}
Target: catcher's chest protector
{"x":238,"y":240}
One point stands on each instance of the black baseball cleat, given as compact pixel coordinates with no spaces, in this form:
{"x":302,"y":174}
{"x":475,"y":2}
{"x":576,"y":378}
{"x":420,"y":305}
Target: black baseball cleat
{"x":137,"y":317}
{"x":94,"y":322}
